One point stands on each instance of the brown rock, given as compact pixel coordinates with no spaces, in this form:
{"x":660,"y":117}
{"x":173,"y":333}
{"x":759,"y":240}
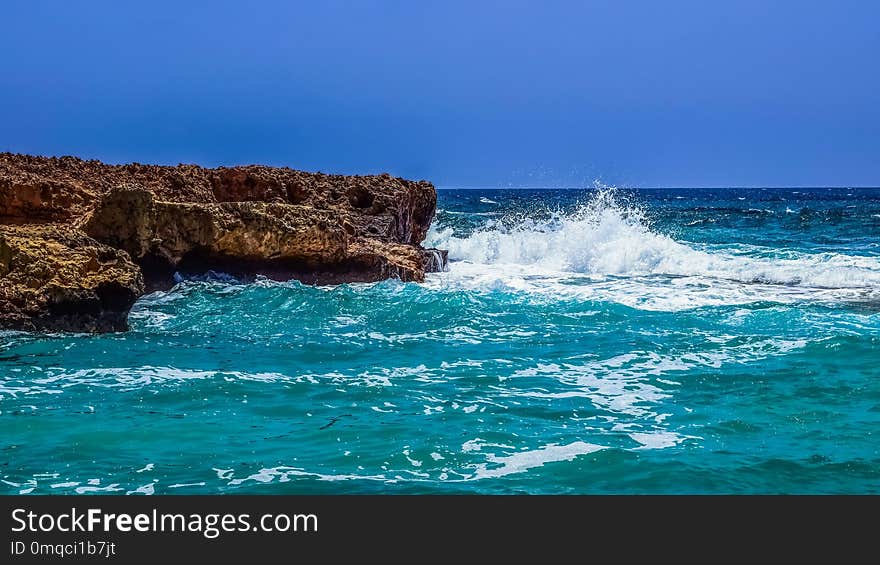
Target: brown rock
{"x":288,"y":241}
{"x":59,"y":279}
{"x":41,"y":189}
{"x":278,"y":222}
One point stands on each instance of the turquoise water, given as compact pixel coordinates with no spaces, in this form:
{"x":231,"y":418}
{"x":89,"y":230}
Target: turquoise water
{"x":667,"y":341}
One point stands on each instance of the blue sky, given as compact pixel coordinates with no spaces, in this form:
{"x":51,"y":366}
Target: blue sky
{"x":494,"y":94}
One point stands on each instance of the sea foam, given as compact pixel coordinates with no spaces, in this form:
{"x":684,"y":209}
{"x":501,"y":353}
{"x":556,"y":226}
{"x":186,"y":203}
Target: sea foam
{"x":608,"y":239}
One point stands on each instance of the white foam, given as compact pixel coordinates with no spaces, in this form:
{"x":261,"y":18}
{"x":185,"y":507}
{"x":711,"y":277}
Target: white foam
{"x":478,"y":444}
{"x":129,"y":378}
{"x":109,"y":488}
{"x":608,"y":251}
{"x":147,"y":489}
{"x":284,"y":474}
{"x":65,"y":485}
{"x":657,"y":440}
{"x":628,"y":384}
{"x":525,"y":460}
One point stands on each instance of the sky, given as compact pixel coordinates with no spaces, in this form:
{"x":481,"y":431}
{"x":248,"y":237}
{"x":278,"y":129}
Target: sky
{"x":465,"y":94}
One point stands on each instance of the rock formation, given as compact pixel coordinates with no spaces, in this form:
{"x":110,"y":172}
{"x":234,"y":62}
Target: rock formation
{"x":56,"y":278}
{"x":81,"y":240}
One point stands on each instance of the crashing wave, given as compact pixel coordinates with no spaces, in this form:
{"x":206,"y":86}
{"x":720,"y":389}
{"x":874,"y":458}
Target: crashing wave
{"x":608,"y":237}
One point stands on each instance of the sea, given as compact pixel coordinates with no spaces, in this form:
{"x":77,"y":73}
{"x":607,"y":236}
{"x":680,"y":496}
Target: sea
{"x":588,"y":341}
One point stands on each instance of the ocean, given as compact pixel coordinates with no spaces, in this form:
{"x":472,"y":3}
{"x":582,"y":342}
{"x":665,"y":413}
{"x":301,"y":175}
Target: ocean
{"x":581,"y":341}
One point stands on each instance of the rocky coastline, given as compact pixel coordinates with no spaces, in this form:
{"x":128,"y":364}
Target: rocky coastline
{"x":80,"y":241}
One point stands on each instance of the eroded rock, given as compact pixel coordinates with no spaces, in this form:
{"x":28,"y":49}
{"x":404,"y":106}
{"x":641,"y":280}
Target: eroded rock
{"x":149,"y":221}
{"x":58,"y":279}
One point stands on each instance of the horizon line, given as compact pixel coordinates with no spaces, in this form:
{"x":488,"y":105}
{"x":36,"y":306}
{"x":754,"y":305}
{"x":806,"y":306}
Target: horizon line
{"x":692,"y":187}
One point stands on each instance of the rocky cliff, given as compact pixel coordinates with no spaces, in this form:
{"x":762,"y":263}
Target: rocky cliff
{"x":81,"y":240}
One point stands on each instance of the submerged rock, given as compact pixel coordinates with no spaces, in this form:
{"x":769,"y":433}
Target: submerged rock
{"x":148,"y":222}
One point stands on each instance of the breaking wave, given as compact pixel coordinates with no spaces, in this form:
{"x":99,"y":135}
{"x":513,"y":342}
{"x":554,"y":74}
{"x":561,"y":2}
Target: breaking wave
{"x":610,"y":237}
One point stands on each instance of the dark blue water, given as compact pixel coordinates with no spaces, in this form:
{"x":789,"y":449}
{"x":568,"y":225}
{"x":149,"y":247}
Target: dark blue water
{"x":662,"y":341}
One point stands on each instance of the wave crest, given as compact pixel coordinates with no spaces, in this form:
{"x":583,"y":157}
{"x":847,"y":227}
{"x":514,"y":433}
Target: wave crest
{"x":609,"y":236}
